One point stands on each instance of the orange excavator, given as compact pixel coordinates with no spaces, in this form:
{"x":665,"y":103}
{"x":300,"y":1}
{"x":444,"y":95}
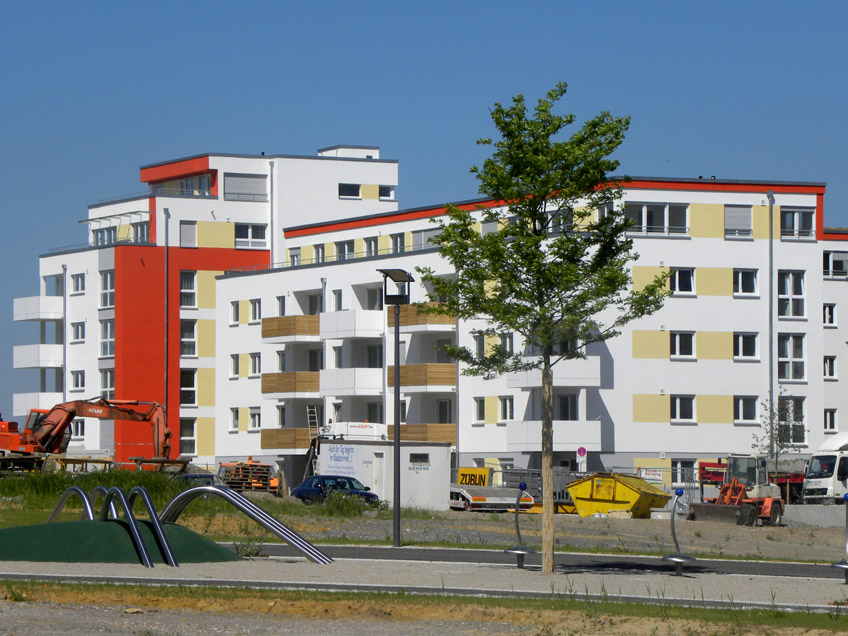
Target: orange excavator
{"x":48,"y":431}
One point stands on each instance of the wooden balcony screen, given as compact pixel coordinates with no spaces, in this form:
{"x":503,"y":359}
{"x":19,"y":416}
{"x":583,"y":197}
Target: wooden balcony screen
{"x":425,"y":433}
{"x":284,"y":438}
{"x":409,"y":316}
{"x":290,"y":382}
{"x":433,"y":373}
{"x":277,"y":326}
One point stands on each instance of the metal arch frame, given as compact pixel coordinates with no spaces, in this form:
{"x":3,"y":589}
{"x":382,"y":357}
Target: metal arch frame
{"x":87,"y":509}
{"x":117,"y":493}
{"x":158,"y":530}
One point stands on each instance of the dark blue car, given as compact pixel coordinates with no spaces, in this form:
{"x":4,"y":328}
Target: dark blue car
{"x":317,"y":487}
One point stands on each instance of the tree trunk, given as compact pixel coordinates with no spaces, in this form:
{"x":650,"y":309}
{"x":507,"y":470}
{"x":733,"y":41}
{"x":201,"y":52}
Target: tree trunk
{"x":547,"y":466}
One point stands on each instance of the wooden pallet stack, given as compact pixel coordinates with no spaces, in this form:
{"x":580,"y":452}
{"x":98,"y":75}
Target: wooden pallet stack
{"x":248,"y":477}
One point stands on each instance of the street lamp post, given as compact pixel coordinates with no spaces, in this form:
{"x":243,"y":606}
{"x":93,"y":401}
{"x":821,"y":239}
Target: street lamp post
{"x":401,"y":279}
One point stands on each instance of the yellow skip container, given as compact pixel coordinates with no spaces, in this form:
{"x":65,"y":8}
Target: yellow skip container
{"x":605,"y":492}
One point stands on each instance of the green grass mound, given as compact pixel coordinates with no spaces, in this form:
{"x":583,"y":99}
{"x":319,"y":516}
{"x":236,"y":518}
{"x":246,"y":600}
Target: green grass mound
{"x":105,"y":542}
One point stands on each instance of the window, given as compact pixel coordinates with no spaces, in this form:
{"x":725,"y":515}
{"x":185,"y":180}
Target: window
{"x":188,"y":234}
{"x":337,"y":300}
{"x":255,"y":418}
{"x":77,"y":380}
{"x":829,"y":315}
{"x":234,"y":312}
{"x":250,"y":236}
{"x":371,"y":248}
{"x":682,"y":408}
{"x":507,"y":409}
{"x":745,"y":345}
{"x":281,"y":415}
{"x":234,"y":365}
{"x":745,"y":409}
{"x":105,"y":236}
{"x":737,"y":221}
{"x":187,"y":436}
{"x":790,"y":414}
{"x":790,"y":356}
{"x":374,"y":411}
{"x":744,"y":282}
{"x":479,"y":409}
{"x":565,"y":347}
{"x":204,"y":182}
{"x":77,"y":429}
{"x":682,"y":281}
{"x":387,"y":192}
{"x":445,"y":411}
{"x":255,"y":310}
{"x":830,"y":420}
{"x":188,"y":294}
{"x":374,"y":298}
{"x":107,"y":338}
{"x":294,"y":256}
{"x":344,"y":250}
{"x":419,"y":458}
{"x":141,"y":232}
{"x":281,"y":305}
{"x":107,"y":288}
{"x":187,"y":186}
{"x":245,"y":187}
{"x":338,"y":359}
{"x":348,"y":190}
{"x":314,"y":304}
{"x":567,"y":405}
{"x":657,"y":218}
{"x":77,"y":332}
{"x":234,"y":419}
{"x":480,"y":346}
{"x":188,"y":338}
{"x":683,"y":472}
{"x":829,"y":368}
{"x":188,"y":390}
{"x":318,"y":253}
{"x":506,"y":342}
{"x":835,"y":264}
{"x":375,"y":356}
{"x":398,"y":243}
{"x":790,"y":294}
{"x":403,"y":411}
{"x":77,"y":283}
{"x":281,"y":361}
{"x":107,"y":383}
{"x":316,"y":360}
{"x":796,"y":223}
{"x":255,"y":364}
{"x":682,"y":344}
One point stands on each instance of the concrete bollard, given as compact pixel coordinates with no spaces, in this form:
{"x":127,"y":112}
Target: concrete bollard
{"x":843,"y":565}
{"x":678,"y":559}
{"x":520,"y":551}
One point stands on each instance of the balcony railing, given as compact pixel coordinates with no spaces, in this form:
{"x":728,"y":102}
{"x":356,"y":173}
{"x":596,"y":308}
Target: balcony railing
{"x":22,"y":403}
{"x":569,"y":435}
{"x":290,"y":326}
{"x":38,"y":308}
{"x":38,"y":356}
{"x":425,"y":433}
{"x":273,"y":438}
{"x":427,"y":374}
{"x":290,"y":382}
{"x":577,"y":372}
{"x":410,"y":316}
{"x":353,"y":381}
{"x":353,"y":323}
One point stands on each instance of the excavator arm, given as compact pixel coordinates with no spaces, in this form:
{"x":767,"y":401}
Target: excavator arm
{"x":48,"y":430}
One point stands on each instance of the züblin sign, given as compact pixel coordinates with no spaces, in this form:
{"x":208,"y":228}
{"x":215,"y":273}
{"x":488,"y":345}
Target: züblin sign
{"x":473,"y":476}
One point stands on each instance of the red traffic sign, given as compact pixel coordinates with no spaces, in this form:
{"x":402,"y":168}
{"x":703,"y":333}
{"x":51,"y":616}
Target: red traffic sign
{"x":581,"y":452}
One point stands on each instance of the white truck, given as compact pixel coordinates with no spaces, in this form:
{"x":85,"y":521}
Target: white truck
{"x":826,"y":479}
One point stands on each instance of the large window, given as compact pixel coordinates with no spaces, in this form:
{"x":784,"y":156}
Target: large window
{"x":141,"y":232}
{"x":790,"y":294}
{"x":835,"y":264}
{"x":344,"y":250}
{"x":737,"y":221}
{"x":682,"y":408}
{"x":745,"y":346}
{"x":245,"y":187}
{"x":188,"y":337}
{"x":371,"y":246}
{"x":744,"y":282}
{"x":188,"y":387}
{"x":107,"y":288}
{"x":790,"y":415}
{"x":745,"y":409}
{"x":682,"y":281}
{"x":797,"y":223}
{"x":398,"y":243}
{"x":188,"y":435}
{"x":657,"y":218}
{"x":348,"y":190}
{"x":790,"y":356}
{"x":188,"y":293}
{"x":107,"y":338}
{"x":105,"y":236}
{"x":682,"y":344}
{"x":567,"y":405}
{"x":107,"y":383}
{"x":250,"y":236}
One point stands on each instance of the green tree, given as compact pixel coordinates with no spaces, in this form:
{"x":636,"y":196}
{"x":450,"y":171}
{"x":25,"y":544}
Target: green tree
{"x":553,"y":262}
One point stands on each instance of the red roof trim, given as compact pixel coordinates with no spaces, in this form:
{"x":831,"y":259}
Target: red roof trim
{"x":175,"y":170}
{"x":718,"y":186}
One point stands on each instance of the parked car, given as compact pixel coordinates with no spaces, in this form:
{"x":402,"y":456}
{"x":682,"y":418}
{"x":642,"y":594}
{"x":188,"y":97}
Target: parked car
{"x":200,"y":479}
{"x":317,"y":487}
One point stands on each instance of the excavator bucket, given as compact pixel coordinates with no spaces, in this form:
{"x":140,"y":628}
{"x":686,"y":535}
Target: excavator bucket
{"x":744,"y":515}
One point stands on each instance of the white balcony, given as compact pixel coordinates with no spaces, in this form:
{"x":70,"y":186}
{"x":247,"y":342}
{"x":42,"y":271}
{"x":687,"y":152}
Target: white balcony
{"x":38,"y":356}
{"x":38,"y":308}
{"x":574,"y":373}
{"x":355,"y":381}
{"x":569,"y":435}
{"x":22,"y":403}
{"x":354,"y":323}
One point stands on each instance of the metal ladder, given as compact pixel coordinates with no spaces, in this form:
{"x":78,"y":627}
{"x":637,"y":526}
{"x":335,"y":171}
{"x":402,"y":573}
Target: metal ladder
{"x":312,"y":427}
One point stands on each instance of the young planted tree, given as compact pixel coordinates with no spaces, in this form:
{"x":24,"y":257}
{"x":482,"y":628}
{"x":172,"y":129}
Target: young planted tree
{"x":553,"y":261}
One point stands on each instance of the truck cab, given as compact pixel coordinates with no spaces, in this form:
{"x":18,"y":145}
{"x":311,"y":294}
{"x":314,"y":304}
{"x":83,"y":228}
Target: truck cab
{"x":826,"y":480}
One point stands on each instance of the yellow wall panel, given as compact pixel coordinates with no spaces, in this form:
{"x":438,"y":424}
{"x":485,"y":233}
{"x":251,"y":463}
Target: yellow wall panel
{"x":244,"y":418}
{"x":760,"y":221}
{"x":205,"y":284}
{"x":244,"y":365}
{"x":330,"y":251}
{"x":655,"y":462}
{"x":706,"y":220}
{"x":244,"y":312}
{"x":216,"y":234}
{"x":307,"y":253}
{"x":714,"y":345}
{"x":714,"y":281}
{"x":384,"y":244}
{"x":650,"y":344}
{"x":206,"y":387}
{"x":477,"y":227}
{"x":644,"y":275}
{"x":205,"y":338}
{"x":492,"y":406}
{"x":204,"y":432}
{"x":358,"y":246}
{"x":369,"y":191}
{"x":651,"y":408}
{"x":124,"y":232}
{"x":714,"y":409}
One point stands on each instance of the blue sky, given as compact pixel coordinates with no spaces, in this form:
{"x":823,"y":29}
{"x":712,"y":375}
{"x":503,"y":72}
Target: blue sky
{"x":91,"y":91}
